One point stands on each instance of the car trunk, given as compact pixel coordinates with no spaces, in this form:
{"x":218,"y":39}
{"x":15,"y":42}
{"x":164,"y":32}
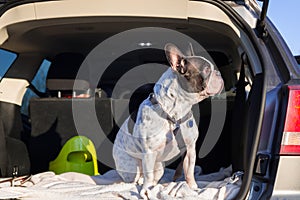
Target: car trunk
{"x":104,"y":52}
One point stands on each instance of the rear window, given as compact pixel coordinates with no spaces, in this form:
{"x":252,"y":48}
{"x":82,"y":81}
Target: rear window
{"x":6,"y":60}
{"x":39,"y":82}
{"x":298,"y":59}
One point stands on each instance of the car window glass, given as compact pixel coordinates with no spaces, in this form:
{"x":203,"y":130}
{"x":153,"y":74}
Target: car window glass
{"x":298,"y":60}
{"x":39,"y":82}
{"x":6,"y":60}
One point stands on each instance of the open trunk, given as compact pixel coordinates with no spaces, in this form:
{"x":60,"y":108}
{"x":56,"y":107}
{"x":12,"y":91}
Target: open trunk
{"x":114,"y":62}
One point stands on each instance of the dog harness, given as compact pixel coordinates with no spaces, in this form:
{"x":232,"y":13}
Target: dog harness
{"x":171,"y":120}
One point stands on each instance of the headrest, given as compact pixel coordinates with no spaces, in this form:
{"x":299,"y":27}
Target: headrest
{"x":67,"y":84}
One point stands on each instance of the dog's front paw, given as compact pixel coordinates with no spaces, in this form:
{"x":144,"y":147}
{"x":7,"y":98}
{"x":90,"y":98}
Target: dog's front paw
{"x":145,"y":193}
{"x":192,"y":184}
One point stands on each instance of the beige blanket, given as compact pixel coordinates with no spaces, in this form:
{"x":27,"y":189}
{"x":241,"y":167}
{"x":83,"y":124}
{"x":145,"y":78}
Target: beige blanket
{"x":47,"y":185}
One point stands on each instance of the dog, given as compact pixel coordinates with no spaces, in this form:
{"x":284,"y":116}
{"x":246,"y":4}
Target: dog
{"x":164,"y":124}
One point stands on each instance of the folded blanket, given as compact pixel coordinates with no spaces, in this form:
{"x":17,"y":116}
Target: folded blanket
{"x":47,"y":185}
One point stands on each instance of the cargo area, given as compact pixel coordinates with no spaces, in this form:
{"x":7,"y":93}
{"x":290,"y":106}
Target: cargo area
{"x":85,"y":75}
{"x":49,"y":121}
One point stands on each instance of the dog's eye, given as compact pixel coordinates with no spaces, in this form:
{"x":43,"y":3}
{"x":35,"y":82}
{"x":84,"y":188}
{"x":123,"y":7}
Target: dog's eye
{"x":181,"y":67}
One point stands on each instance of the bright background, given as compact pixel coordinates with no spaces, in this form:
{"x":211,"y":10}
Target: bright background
{"x":285,"y":14}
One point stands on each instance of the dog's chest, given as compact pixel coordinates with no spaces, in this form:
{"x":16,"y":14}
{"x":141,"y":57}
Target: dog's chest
{"x":168,"y":149}
{"x":165,"y":146}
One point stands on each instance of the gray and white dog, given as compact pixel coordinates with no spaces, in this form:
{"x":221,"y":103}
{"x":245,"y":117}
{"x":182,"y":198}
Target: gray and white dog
{"x":142,"y":151}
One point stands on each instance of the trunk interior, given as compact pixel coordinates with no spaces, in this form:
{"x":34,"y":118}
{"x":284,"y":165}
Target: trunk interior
{"x":45,"y":123}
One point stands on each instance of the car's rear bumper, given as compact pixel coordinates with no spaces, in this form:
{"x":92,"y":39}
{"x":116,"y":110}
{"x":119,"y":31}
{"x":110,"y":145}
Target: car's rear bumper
{"x":287,"y":182}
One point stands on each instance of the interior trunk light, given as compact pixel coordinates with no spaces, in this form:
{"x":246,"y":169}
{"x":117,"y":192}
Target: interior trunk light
{"x":145,"y":44}
{"x":291,"y":136}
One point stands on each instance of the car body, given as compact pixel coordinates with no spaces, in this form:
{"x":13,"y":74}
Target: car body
{"x":68,"y":66}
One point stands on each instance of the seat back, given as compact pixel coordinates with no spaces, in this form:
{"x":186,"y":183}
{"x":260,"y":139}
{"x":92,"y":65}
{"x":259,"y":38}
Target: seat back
{"x":53,"y":124}
{"x":13,"y":152}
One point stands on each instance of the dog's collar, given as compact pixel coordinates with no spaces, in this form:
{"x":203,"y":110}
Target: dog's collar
{"x":172,"y":119}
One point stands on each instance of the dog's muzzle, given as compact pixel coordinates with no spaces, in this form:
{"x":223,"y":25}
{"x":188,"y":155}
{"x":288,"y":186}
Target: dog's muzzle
{"x":215,"y":83}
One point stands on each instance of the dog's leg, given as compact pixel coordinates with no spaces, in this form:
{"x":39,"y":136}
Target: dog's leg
{"x":179,"y":167}
{"x":189,"y":165}
{"x":159,"y":171}
{"x":148,"y":163}
{"x":128,"y":167}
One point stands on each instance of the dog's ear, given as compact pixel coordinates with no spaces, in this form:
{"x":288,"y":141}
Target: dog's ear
{"x":175,"y":58}
{"x":190,"y":51}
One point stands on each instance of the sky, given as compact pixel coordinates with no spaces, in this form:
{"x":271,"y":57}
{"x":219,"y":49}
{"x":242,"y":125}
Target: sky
{"x":285,"y":14}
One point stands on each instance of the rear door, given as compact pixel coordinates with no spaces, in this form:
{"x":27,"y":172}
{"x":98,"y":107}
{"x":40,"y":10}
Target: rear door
{"x":278,"y":159}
